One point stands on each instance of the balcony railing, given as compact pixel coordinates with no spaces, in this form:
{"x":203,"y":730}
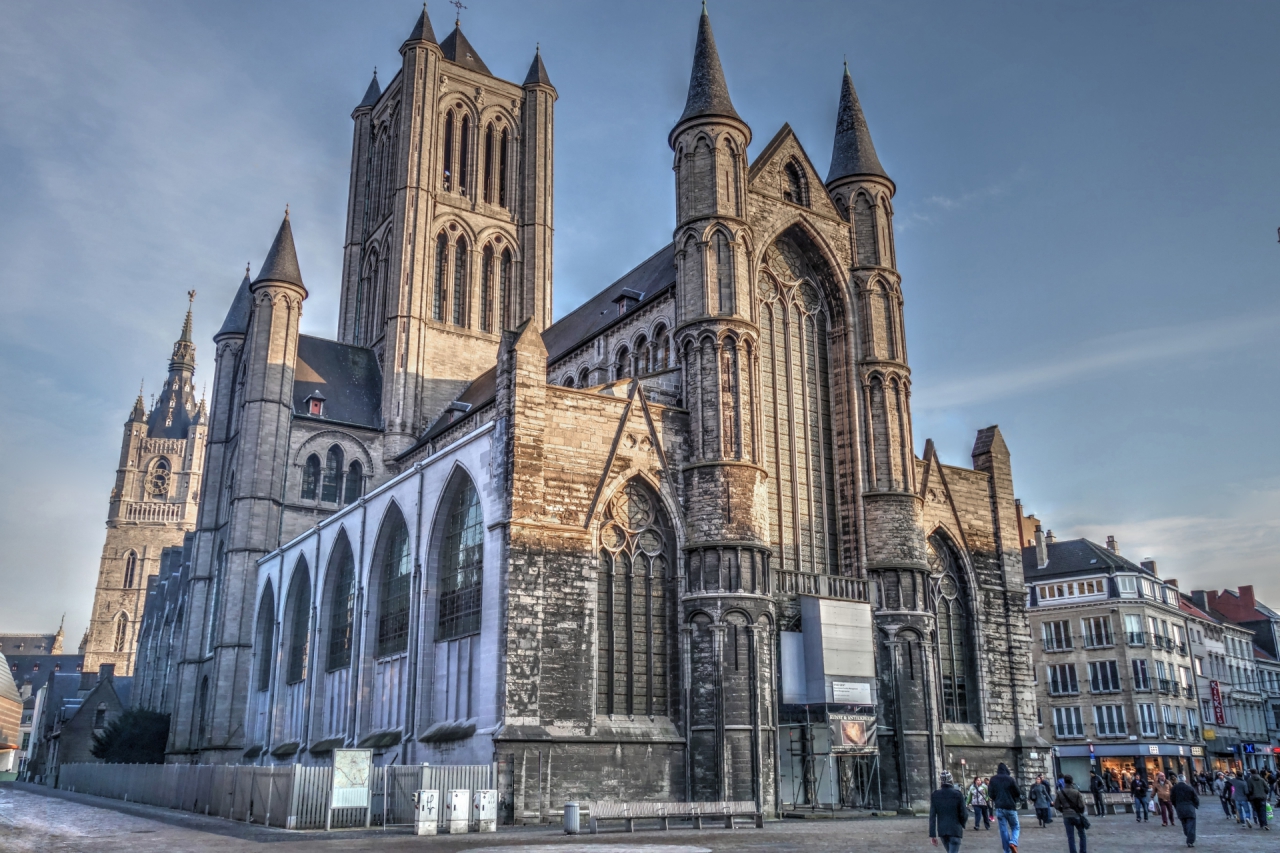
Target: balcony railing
{"x":1062,"y":645}
{"x":1165,"y":685}
{"x":1143,"y":686}
{"x":824,"y":586}
{"x":1182,"y":649}
{"x":1171,"y":730}
{"x":1098,"y":642}
{"x":1136,"y":638}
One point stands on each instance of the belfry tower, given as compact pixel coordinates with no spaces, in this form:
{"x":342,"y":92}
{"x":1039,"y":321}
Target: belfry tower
{"x":727,"y":619}
{"x":153,"y":505}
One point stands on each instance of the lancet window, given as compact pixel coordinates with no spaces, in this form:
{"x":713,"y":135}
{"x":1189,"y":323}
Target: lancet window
{"x":394,"y":564}
{"x":461,"y":565}
{"x":956,"y":669}
{"x":298,"y":613}
{"x":342,"y":602}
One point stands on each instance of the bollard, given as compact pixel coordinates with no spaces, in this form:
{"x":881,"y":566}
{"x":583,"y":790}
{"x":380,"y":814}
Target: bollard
{"x":457,"y":812}
{"x":484,"y":811}
{"x":426,"y":812}
{"x":570,"y":818}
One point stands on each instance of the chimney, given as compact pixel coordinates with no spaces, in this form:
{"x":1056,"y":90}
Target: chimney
{"x":1050,"y":538}
{"x":1112,"y":545}
{"x":1042,"y":549}
{"x":1199,"y":599}
{"x":1017,"y":513}
{"x":1213,"y":599}
{"x":1246,"y":597}
{"x":1173,"y":582}
{"x":86,"y":681}
{"x":106,"y":672}
{"x":1150,"y":565}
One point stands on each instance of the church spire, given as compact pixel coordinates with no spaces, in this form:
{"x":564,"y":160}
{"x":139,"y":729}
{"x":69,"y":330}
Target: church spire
{"x":853,"y":153}
{"x":422,"y":30}
{"x":184,"y":351}
{"x":537,"y":75}
{"x":708,"y":93}
{"x":237,"y":321}
{"x":371,"y":94}
{"x":282,"y":259}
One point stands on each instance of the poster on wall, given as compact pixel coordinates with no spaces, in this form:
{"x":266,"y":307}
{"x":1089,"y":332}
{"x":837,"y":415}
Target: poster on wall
{"x":851,"y":733}
{"x":352,"y":770}
{"x":1219,"y":713}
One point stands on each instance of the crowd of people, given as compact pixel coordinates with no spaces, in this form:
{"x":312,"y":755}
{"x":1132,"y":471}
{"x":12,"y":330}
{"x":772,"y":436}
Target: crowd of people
{"x":1246,"y":797}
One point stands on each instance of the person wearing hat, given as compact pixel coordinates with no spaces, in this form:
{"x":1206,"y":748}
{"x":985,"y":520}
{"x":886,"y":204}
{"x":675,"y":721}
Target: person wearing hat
{"x":947,"y":814}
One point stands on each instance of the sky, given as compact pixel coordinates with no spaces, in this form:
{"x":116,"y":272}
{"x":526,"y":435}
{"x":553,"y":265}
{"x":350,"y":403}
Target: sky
{"x":1088,"y":197}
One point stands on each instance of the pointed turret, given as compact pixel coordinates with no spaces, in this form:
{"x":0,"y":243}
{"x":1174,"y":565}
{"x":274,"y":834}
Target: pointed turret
{"x":458,"y":50}
{"x":853,"y":153}
{"x":237,"y":321}
{"x":537,"y":75}
{"x":282,"y":259}
{"x":174,"y":408}
{"x":371,"y":94}
{"x":708,"y":93}
{"x":422,"y":30}
{"x":139,"y":413}
{"x":184,"y":350}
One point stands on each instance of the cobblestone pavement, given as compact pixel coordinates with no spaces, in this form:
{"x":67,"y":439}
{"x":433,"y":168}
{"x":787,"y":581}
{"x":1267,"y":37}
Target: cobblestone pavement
{"x":34,"y":821}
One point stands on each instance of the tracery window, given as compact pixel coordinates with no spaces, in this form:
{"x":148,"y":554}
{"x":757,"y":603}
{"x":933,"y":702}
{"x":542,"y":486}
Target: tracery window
{"x":448,"y":152}
{"x":394,"y":564}
{"x":955,"y":647}
{"x":354,"y":483}
{"x":310,"y":477}
{"x":461,"y":563}
{"x":266,"y":637}
{"x":342,"y":603}
{"x":486,"y":289}
{"x":460,"y":283}
{"x":130,"y":569}
{"x":796,"y":404}
{"x":442,"y":263}
{"x":332,"y":475}
{"x":122,"y":634}
{"x":632,"y":604}
{"x":299,"y":610}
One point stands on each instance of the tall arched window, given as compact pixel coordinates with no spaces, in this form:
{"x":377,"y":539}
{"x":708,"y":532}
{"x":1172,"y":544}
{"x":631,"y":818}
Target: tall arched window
{"x":215,"y":610}
{"x":461,"y":563}
{"x":642,"y":356}
{"x":502,"y":169}
{"x":722,"y":256}
{"x":342,"y":604}
{"x":442,"y":264}
{"x":486,"y":290}
{"x":796,"y":190}
{"x":298,"y":614}
{"x":122,"y":634}
{"x":632,"y":604}
{"x":464,"y":156}
{"x":266,"y":642}
{"x":622,"y":366}
{"x":332,"y":475}
{"x":864,"y":230}
{"x":354,"y":482}
{"x":661,"y":348}
{"x":394,"y":564}
{"x":130,"y":569}
{"x":448,"y":152}
{"x":488,"y":164}
{"x":460,"y":282}
{"x":310,"y":477}
{"x":955,"y":647}
{"x":203,"y":711}
{"x":584,"y":377}
{"x":505,"y":293}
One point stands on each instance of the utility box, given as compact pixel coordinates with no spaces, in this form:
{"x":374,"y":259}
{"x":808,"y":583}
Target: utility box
{"x":457,"y":812}
{"x":426,"y":812}
{"x":484,"y":811}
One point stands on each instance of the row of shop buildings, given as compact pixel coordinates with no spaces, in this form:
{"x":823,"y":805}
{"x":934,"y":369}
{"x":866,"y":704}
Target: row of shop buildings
{"x":1135,"y":675}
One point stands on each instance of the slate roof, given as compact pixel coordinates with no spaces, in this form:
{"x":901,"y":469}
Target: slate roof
{"x":8,"y":689}
{"x":853,"y":153}
{"x":422,"y":30}
{"x":481,"y":392}
{"x":347,"y":376}
{"x":27,"y":644}
{"x":282,"y":258}
{"x":371,"y":94}
{"x":237,"y":322}
{"x":537,"y":72}
{"x":1073,"y":557}
{"x":458,"y":50}
{"x":708,"y":93}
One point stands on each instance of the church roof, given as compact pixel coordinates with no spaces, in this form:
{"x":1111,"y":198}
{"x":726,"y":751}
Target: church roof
{"x":482,"y":391}
{"x":347,"y":376}
{"x":282,"y":259}
{"x":537,"y":75}
{"x":237,"y":322}
{"x":458,"y":50}
{"x":708,"y":93}
{"x":422,"y":30}
{"x":853,"y":152}
{"x":371,"y":94}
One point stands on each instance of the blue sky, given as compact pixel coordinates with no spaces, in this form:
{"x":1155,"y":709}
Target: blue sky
{"x":1088,"y":198}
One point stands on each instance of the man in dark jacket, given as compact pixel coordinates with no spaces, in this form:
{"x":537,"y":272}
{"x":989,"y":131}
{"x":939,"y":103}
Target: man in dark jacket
{"x":947,"y":814}
{"x":1258,"y":795}
{"x":1097,"y":788}
{"x":1071,"y":803}
{"x":1139,"y":790}
{"x":1185,"y":802}
{"x":1003,"y":792}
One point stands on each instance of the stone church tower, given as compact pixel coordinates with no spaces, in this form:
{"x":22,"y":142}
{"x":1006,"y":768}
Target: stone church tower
{"x":153,"y":505}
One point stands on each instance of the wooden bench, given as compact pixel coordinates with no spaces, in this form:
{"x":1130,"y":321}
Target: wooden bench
{"x":727,"y":811}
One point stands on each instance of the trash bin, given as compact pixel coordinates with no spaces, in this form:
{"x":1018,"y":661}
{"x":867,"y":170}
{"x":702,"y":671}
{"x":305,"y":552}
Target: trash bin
{"x":571,"y":819}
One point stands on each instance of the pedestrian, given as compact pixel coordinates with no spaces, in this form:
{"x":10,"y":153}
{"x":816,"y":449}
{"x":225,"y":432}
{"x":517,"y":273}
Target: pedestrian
{"x":1258,"y":796}
{"x":1240,"y":793}
{"x":1071,"y":803}
{"x":976,"y":797}
{"x":1004,"y":795}
{"x":1163,"y":789}
{"x":1185,"y":802}
{"x":947,"y":814}
{"x":1042,"y":798}
{"x":1096,"y":788}
{"x":1139,"y":791}
{"x":1222,"y":787}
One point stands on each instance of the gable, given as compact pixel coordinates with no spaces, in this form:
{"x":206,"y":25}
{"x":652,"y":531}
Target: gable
{"x":767,"y":175}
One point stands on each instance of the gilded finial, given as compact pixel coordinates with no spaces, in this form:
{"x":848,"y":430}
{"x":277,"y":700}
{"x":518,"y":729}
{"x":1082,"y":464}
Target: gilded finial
{"x":286,"y":210}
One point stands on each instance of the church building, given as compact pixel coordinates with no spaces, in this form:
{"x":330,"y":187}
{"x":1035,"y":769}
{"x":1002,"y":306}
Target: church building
{"x":677,"y":545}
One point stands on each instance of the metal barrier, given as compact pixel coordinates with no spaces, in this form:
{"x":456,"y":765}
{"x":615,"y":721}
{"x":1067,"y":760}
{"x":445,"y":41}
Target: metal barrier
{"x":289,"y":796}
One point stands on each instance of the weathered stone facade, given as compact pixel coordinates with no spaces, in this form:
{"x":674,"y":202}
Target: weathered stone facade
{"x":658,"y":549}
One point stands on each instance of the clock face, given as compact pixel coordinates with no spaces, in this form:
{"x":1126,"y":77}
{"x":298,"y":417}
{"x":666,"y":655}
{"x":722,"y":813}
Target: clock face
{"x":158,"y":482}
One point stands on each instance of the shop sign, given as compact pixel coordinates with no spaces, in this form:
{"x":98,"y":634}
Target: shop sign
{"x":852,"y":733}
{"x":851,"y":692}
{"x":1197,"y":751}
{"x":1153,"y":748}
{"x":1210,"y":734}
{"x":1247,"y":748}
{"x":1219,"y":713}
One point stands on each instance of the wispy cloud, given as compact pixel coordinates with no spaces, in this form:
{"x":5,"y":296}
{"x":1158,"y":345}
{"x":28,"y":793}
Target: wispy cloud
{"x":1096,"y":355}
{"x":938,"y":202}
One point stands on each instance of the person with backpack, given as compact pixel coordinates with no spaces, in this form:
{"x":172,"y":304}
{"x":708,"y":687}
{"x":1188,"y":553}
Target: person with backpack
{"x":976,"y":797}
{"x":1185,"y":802}
{"x":1042,"y":798}
{"x":1140,"y":793}
{"x":947,"y":814}
{"x":1004,"y":795}
{"x":1258,"y":796}
{"x":1071,"y":803}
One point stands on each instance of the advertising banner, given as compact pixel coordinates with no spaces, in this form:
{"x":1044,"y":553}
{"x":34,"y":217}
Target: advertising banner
{"x":1215,"y":694}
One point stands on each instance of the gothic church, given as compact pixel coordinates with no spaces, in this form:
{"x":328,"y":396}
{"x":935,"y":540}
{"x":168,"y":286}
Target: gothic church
{"x":676,"y":545}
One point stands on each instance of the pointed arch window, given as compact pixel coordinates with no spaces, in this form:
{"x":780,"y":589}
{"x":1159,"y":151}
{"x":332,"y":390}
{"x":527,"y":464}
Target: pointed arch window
{"x":486,"y":290}
{"x":505,"y":294}
{"x":342,"y":604}
{"x":394,"y":564}
{"x":442,"y":264}
{"x":503,"y":145}
{"x":661,"y":348}
{"x":266,"y":640}
{"x":464,"y":155}
{"x":489,"y":164}
{"x":796,"y":190}
{"x":448,"y":151}
{"x":722,"y":257}
{"x":461,"y":562}
{"x":310,"y":477}
{"x":622,"y":365}
{"x":956,"y":663}
{"x":864,"y":230}
{"x":298,"y":612}
{"x":642,"y":356}
{"x":332,"y":475}
{"x":121,"y":641}
{"x":130,"y":569}
{"x":584,"y":378}
{"x":460,"y":283}
{"x":354,"y":486}
{"x":215,"y":610}
{"x":633,"y":611}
